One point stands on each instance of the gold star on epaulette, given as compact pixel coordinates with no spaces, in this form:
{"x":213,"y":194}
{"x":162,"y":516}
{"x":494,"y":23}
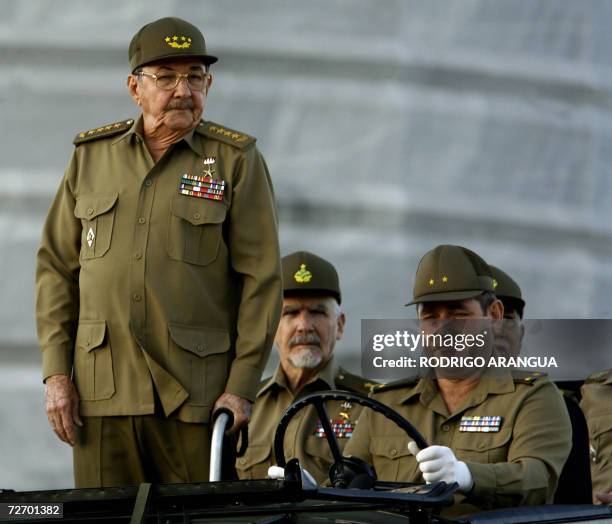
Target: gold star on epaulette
{"x":229,"y":136}
{"x":372,"y":386}
{"x":103,"y":132}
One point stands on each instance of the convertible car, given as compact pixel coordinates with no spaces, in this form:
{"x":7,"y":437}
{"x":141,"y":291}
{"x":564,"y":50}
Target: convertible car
{"x":353,"y":495}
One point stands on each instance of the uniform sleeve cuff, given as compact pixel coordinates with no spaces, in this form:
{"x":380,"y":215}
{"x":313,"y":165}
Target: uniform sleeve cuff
{"x":243,"y":380}
{"x":485,"y":481}
{"x":56,"y":361}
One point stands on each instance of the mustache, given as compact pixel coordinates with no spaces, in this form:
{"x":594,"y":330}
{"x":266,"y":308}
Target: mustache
{"x":179,"y":104}
{"x":310,"y":339}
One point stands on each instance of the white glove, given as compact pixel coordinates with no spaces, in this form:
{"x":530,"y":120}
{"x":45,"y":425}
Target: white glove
{"x":439,"y":463}
{"x":278,"y":473}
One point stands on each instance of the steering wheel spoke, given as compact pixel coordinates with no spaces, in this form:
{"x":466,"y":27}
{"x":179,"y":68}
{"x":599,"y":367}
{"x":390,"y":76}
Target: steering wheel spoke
{"x":341,"y":464}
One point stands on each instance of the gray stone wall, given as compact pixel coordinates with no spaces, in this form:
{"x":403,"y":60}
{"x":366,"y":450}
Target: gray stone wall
{"x":388,"y":126}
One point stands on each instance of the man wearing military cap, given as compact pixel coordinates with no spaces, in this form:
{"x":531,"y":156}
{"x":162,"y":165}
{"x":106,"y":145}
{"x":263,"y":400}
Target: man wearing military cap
{"x":503,"y":439}
{"x":311,"y":322}
{"x":596,"y":404}
{"x":158,"y":275}
{"x":510,"y":336}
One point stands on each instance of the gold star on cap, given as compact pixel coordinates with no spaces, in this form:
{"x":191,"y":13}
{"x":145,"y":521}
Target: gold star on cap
{"x":302,"y":276}
{"x":444,"y":278}
{"x":431,"y":281}
{"x":494,"y":283}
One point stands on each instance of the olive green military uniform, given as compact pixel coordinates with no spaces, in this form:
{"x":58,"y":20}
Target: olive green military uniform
{"x":511,"y":430}
{"x":304,"y":439}
{"x":158,"y":284}
{"x":141,"y":287}
{"x":516,"y":463}
{"x":597,"y":407}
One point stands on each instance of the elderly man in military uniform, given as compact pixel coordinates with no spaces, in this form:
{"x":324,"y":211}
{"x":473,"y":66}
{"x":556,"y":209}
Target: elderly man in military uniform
{"x":158,"y":276}
{"x":503,"y":439}
{"x":597,"y":407}
{"x":312,"y":321}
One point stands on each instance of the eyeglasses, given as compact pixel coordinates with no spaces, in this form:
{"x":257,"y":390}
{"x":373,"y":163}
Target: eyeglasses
{"x":168,"y":81}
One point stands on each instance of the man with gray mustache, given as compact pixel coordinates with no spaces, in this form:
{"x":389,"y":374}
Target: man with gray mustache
{"x":311,"y":322}
{"x":158,"y":276}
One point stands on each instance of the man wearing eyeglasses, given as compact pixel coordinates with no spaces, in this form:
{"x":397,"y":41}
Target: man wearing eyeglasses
{"x":158,"y":276}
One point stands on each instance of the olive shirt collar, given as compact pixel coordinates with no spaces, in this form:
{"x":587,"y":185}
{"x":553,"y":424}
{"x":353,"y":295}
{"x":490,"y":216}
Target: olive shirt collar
{"x":429,"y":395}
{"x":137,"y":130}
{"x":326,"y":375}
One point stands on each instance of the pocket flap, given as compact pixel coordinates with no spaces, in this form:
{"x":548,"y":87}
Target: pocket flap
{"x":254,"y":455}
{"x":200,"y":341}
{"x":198,"y":211}
{"x":599,"y":423}
{"x":90,"y":334}
{"x":389,"y":447}
{"x":89,"y":207}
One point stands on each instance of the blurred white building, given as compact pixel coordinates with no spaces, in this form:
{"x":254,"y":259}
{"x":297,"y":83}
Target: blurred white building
{"x":388,"y":126}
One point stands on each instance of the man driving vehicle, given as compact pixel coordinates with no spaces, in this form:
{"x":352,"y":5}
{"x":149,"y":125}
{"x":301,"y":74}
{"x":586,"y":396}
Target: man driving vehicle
{"x":502,"y":439}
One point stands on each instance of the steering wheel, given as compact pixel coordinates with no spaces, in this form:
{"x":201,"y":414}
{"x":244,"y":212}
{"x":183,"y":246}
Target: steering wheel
{"x":344,"y":471}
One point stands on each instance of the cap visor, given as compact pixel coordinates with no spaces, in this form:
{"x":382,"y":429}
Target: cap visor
{"x":446,"y":297}
{"x":206,"y":59}
{"x":312,"y":292}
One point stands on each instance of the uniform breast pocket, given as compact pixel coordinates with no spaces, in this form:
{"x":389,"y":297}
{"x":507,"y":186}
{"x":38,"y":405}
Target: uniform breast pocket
{"x":199,"y":356}
{"x":255,"y":463}
{"x":484,"y":448}
{"x":93,"y":361}
{"x":97,"y":214}
{"x":195,"y":229}
{"x":392,"y":460}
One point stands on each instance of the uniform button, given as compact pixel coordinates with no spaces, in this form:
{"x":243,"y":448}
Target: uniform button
{"x":148,"y":183}
{"x":199,"y":348}
{"x":197,"y":216}
{"x":242,"y":461}
{"x":393,"y":452}
{"x":138,"y":256}
{"x":137,"y":298}
{"x":90,"y":210}
{"x":445,"y":427}
{"x":142,"y":220}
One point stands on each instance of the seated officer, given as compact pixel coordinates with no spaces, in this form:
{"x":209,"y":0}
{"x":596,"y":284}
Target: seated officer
{"x":508,"y":341}
{"x":311,"y":323}
{"x":574,"y":483}
{"x":516,"y":459}
{"x":597,"y":407}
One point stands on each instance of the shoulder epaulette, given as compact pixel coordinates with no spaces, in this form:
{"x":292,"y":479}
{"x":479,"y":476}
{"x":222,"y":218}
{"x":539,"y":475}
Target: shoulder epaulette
{"x":103,"y":132}
{"x":349,"y":382}
{"x":526,"y":377}
{"x":226,"y":135}
{"x":599,"y":377}
{"x":408,"y":382}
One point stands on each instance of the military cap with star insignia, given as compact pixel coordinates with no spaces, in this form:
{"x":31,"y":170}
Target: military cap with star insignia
{"x":305,"y":273}
{"x":167,"y":38}
{"x":507,"y":290}
{"x":449,"y":273}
